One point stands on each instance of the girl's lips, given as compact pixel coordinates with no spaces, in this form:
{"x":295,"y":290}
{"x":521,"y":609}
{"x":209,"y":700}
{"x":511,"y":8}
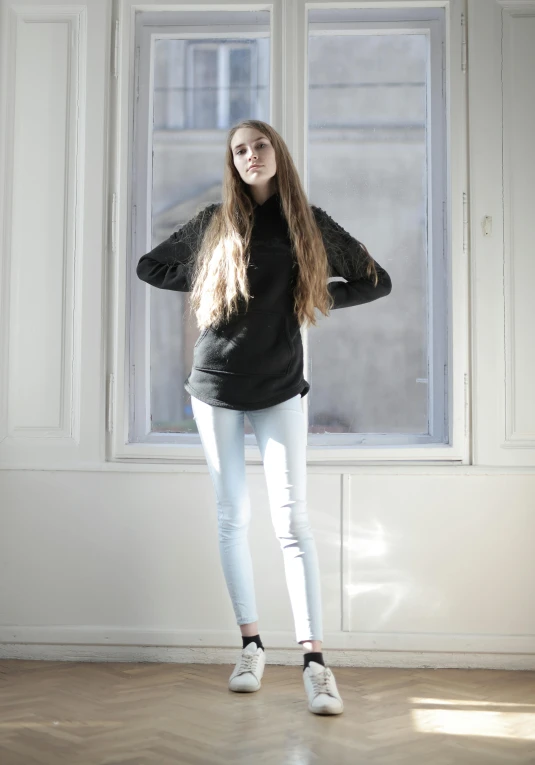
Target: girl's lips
{"x":255,"y":167}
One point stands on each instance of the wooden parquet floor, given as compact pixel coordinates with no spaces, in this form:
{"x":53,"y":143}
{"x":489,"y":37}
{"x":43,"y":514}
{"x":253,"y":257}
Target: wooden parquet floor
{"x":85,"y":713}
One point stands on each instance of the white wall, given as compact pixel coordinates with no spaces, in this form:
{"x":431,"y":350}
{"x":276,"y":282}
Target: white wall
{"x":125,"y":565}
{"x":422,"y":565}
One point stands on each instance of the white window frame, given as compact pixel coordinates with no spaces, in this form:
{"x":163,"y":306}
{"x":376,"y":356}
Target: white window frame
{"x":436,"y":243}
{"x":289,"y":36}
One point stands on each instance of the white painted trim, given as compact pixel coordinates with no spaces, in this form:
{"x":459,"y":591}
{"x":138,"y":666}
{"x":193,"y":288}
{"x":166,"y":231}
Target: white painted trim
{"x":345,"y":649}
{"x":493,"y":256}
{"x":198,"y":465}
{"x":346,"y":552}
{"x":75,"y":434}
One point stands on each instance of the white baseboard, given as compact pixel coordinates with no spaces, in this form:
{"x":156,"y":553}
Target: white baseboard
{"x":341,"y":649}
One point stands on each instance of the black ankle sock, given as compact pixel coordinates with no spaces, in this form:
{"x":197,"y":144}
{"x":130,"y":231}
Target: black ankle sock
{"x":252,"y":639}
{"x":313,"y":656}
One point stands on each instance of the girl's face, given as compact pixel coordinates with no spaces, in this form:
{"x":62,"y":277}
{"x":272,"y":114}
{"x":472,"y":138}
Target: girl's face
{"x":250,"y":147}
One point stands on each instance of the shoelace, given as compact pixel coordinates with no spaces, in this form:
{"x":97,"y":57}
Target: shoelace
{"x":321,"y":682}
{"x":248,"y":663}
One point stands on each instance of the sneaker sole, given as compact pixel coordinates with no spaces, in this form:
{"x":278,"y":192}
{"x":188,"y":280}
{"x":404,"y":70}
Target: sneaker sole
{"x":245,"y":690}
{"x":326,"y":711}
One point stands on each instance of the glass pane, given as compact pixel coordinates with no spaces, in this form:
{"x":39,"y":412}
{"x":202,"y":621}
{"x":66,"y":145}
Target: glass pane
{"x":241,"y":93}
{"x":204,"y":90}
{"x":367,"y":167}
{"x":201,"y":88}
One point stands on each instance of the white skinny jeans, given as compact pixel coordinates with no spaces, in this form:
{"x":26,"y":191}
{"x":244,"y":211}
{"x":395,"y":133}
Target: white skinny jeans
{"x":281,"y":437}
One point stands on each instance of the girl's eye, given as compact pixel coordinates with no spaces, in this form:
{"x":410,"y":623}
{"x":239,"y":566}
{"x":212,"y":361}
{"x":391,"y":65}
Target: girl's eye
{"x":260,"y":144}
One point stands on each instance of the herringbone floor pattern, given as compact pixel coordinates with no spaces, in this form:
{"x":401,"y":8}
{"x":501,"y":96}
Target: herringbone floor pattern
{"x":76,"y":713}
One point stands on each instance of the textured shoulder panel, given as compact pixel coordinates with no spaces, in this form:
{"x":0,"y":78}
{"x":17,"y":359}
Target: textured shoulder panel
{"x":346,"y":256}
{"x":198,"y":223}
{"x":191,"y":233}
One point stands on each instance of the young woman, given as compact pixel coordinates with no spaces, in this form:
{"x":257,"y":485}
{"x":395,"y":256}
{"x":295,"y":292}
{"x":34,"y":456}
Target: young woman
{"x":256,"y":266}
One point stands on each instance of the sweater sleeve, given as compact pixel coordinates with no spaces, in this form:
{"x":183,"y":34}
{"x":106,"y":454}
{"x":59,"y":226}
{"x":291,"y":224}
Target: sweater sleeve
{"x":348,"y":259}
{"x":169,"y":265}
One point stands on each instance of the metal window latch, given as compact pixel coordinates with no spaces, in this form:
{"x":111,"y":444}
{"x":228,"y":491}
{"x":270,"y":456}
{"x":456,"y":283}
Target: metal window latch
{"x":486,"y":225}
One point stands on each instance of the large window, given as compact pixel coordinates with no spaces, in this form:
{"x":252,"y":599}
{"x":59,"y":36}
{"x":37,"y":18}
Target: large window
{"x":373,"y":142}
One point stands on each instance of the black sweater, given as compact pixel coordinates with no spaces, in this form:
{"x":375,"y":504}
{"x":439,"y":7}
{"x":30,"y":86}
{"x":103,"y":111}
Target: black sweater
{"x":256,"y":359}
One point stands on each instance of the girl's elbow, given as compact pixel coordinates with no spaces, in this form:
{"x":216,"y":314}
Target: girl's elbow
{"x":384,"y":285}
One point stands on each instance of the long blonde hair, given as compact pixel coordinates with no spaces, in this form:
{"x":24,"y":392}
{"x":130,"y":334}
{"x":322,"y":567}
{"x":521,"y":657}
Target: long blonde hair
{"x":219,"y":275}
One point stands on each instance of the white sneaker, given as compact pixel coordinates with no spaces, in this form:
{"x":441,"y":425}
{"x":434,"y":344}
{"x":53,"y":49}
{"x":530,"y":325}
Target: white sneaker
{"x":320,"y":685}
{"x":249,"y":669}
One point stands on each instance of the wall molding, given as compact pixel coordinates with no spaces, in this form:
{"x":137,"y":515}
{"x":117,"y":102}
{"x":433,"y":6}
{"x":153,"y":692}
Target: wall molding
{"x":344,"y":649}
